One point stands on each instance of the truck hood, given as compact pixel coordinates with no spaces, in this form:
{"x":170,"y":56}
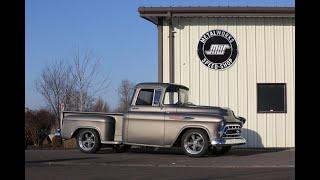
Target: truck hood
{"x":227,"y":113}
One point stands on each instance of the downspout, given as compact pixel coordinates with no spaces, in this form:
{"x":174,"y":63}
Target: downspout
{"x":171,"y":49}
{"x":171,"y":55}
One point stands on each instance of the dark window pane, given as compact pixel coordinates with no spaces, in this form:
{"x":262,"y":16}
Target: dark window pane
{"x":145,"y":97}
{"x":272,"y":97}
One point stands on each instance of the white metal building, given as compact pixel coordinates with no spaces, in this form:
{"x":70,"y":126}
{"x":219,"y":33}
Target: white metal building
{"x":259,"y":85}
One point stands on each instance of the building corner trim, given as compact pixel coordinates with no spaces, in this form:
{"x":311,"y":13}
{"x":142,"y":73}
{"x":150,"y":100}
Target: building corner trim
{"x":160,"y":51}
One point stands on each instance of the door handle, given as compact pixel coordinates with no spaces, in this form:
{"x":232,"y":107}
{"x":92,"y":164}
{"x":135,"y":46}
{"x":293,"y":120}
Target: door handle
{"x":188,"y":117}
{"x":135,"y":108}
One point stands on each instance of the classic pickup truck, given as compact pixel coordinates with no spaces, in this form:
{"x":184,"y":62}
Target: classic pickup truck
{"x":159,"y":115}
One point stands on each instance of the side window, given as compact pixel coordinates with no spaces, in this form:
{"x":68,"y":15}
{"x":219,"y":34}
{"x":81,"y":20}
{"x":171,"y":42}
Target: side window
{"x":145,"y":97}
{"x":156,"y":98}
{"x":171,"y":98}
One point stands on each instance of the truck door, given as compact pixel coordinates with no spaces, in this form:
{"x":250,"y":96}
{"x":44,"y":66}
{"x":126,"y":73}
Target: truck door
{"x":172,"y":118}
{"x":146,"y":118}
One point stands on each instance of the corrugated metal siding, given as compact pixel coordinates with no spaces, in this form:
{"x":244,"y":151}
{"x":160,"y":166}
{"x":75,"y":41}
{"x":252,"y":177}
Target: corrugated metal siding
{"x":266,"y":55}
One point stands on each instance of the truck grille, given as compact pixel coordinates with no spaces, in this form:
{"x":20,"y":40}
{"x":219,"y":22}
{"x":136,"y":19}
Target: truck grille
{"x":232,"y":130}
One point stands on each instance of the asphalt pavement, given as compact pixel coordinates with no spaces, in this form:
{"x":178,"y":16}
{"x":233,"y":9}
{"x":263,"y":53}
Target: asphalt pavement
{"x":143,"y":163}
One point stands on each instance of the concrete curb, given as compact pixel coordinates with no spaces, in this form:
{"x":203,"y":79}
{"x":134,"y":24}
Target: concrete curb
{"x":157,"y":165}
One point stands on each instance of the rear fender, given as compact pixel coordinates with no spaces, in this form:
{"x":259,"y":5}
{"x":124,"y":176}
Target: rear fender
{"x":104,"y":125}
{"x":75,"y":132}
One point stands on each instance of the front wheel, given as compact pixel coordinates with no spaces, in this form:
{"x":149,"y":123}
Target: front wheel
{"x":195,"y":143}
{"x":88,"y":141}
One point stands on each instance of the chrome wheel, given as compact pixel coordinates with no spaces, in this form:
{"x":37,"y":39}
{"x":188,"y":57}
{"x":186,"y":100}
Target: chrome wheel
{"x":194,"y":143}
{"x":87,"y":141}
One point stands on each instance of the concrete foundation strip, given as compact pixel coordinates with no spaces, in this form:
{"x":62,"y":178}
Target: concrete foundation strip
{"x":158,"y":165}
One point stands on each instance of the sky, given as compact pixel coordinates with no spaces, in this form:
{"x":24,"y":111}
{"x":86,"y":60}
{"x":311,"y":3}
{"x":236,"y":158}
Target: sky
{"x":114,"y":31}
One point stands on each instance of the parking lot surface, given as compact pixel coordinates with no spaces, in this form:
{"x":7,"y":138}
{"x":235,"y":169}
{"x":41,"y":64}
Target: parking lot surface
{"x":159,"y":164}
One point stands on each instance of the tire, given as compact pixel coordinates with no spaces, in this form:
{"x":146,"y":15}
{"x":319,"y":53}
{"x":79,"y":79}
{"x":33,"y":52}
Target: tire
{"x":221,"y":150}
{"x":195,"y":143}
{"x":88,"y":141}
{"x":121,"y":148}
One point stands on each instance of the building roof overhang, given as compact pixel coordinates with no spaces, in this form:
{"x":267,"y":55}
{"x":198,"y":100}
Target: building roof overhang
{"x":154,"y":14}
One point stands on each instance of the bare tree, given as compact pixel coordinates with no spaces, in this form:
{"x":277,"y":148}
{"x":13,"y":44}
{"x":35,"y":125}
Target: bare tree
{"x":125,"y":91}
{"x":75,"y":85}
{"x":72,"y":102}
{"x":88,"y":77}
{"x":100,"y":106}
{"x":55,"y":85}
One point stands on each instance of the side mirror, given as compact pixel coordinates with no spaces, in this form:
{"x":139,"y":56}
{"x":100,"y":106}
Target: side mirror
{"x":61,"y":106}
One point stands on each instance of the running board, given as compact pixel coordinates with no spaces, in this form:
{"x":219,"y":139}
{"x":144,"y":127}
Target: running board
{"x":111,"y":142}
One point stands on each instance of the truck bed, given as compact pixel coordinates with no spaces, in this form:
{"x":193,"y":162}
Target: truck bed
{"x":118,"y":117}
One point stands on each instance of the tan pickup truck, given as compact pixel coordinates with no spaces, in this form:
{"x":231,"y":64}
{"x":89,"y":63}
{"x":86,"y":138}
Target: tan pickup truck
{"x":160,"y":115}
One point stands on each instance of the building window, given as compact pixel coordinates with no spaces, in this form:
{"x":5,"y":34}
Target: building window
{"x":145,"y":97}
{"x":272,"y":98}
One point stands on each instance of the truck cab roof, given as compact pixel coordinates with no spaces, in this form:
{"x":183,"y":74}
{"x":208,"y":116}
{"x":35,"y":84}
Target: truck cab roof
{"x":157,"y":84}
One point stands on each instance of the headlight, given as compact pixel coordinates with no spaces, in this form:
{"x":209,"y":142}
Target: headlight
{"x":243,"y":120}
{"x":220,"y":128}
{"x":221,"y":125}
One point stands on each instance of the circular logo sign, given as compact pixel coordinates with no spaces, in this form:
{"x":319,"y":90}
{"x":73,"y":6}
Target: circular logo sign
{"x":217,"y":49}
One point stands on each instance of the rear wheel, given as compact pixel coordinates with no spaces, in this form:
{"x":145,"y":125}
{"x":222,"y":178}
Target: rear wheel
{"x":195,"y":143}
{"x":88,"y":141}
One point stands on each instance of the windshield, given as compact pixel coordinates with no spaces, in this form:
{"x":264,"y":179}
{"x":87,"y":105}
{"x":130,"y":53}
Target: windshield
{"x":176,"y":96}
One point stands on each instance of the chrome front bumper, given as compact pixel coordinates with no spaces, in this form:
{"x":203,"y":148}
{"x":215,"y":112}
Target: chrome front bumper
{"x":228,"y":141}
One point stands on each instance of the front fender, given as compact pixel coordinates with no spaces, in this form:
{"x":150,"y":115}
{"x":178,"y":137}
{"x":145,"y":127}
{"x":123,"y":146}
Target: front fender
{"x":177,"y":123}
{"x":185,"y":128}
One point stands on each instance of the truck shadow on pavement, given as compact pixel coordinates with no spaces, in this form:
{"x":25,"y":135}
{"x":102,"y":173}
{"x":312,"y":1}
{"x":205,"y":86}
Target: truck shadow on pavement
{"x":251,"y":151}
{"x":178,"y":151}
{"x":253,"y":146}
{"x":105,"y":150}
{"x":58,"y":160}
